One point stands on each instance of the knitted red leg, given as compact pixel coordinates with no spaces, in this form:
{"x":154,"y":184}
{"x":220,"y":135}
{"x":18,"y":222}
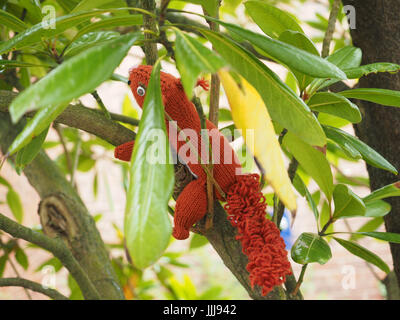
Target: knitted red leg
{"x":261,"y":241}
{"x":124,"y":151}
{"x":190,"y":207}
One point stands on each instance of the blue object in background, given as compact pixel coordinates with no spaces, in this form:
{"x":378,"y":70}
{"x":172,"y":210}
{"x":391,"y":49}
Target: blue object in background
{"x":286,"y":232}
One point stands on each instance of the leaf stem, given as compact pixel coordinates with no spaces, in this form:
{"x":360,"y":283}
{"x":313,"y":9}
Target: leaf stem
{"x":300,"y":281}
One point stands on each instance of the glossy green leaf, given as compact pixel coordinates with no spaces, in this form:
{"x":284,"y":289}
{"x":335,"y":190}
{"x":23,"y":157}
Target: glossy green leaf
{"x":380,"y":96}
{"x":209,"y":5}
{"x":89,"y":40}
{"x":301,"y":41}
{"x":347,"y":57}
{"x":336,"y":105}
{"x":363,"y":253}
{"x":38,"y":32}
{"x":272,"y":20}
{"x":377,"y":208}
{"x":21,"y":258}
{"x":344,"y":58}
{"x":368,"y":154}
{"x":147,"y":225}
{"x":346,"y":146}
{"x":192,"y":58}
{"x":289,"y":55}
{"x":73,"y":78}
{"x":309,"y":248}
{"x":131,"y":20}
{"x":42,"y":119}
{"x":347,"y":203}
{"x":312,"y":161}
{"x":386,"y":236}
{"x":11,"y":21}
{"x":14,"y":202}
{"x":391,"y":190}
{"x":283,"y":105}
{"x":30,"y":151}
{"x":358,"y":72}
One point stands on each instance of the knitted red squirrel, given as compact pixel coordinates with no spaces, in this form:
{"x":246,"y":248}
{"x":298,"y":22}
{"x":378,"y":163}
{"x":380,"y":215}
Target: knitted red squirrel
{"x":260,"y":238}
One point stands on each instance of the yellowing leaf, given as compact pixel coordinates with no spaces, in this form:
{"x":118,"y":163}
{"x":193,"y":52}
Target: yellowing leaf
{"x":129,"y":110}
{"x":249,"y":112}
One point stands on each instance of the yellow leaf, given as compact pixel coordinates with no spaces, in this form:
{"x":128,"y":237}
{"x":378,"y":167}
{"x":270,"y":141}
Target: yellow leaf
{"x":249,"y":113}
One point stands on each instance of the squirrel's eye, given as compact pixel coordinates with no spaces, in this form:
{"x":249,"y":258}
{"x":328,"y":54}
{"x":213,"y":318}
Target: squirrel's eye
{"x":141,"y":91}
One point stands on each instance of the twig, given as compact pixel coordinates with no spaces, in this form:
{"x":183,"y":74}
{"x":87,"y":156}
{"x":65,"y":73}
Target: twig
{"x":27,"y":284}
{"x":300,"y":281}
{"x":96,"y":96}
{"x":149,"y":48}
{"x":19,"y":277}
{"x":57,"y":248}
{"x":331,"y":28}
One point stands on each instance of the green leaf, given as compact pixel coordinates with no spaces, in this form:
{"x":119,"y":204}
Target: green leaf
{"x":370,"y":225}
{"x":386,"y":236}
{"x":302,"y":189}
{"x":147,"y":225}
{"x":343,"y":143}
{"x":19,"y":64}
{"x":289,"y":55}
{"x":380,"y":96}
{"x":309,"y":248}
{"x":3,"y":262}
{"x":131,"y":20}
{"x":301,"y":41}
{"x":391,"y":190}
{"x":358,"y":72}
{"x":73,"y":78}
{"x":29,"y":152}
{"x":344,"y":58}
{"x":336,"y":105}
{"x":192,"y":58}
{"x":363,"y":253}
{"x":37,"y":33}
{"x":377,"y":208}
{"x":89,"y":40}
{"x":368,"y":154}
{"x":21,"y":258}
{"x":347,"y":203}
{"x":282,"y":103}
{"x":14,"y":202}
{"x":42,"y":120}
{"x":347,"y":57}
{"x":198,"y":241}
{"x":209,"y":5}
{"x":86,"y":5}
{"x":312,"y":161}
{"x":12,"y":22}
{"x":270,"y":19}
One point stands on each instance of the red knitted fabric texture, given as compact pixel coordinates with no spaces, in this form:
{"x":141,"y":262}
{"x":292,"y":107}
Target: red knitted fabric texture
{"x":261,"y":240}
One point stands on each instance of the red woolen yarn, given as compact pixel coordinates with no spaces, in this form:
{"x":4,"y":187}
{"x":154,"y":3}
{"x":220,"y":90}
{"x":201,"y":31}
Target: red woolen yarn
{"x":260,"y":238}
{"x":261,"y":241}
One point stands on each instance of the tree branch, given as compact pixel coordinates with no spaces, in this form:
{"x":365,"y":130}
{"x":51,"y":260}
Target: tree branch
{"x":331,"y":28}
{"x":56,"y":247}
{"x":27,"y":284}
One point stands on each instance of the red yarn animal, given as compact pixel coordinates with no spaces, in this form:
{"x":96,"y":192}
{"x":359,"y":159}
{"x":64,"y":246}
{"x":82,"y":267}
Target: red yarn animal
{"x":260,"y":238}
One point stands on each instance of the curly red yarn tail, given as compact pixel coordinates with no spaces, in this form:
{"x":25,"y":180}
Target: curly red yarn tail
{"x":261,"y":241}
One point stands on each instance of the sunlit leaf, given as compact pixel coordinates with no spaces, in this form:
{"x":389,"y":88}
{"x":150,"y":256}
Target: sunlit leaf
{"x":251,"y":116}
{"x":147,"y":226}
{"x":347,"y":203}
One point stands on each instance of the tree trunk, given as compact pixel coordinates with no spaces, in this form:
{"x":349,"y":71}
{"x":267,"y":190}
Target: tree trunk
{"x":377,"y":33}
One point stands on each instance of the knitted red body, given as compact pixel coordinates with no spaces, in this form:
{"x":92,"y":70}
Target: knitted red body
{"x":260,"y":238}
